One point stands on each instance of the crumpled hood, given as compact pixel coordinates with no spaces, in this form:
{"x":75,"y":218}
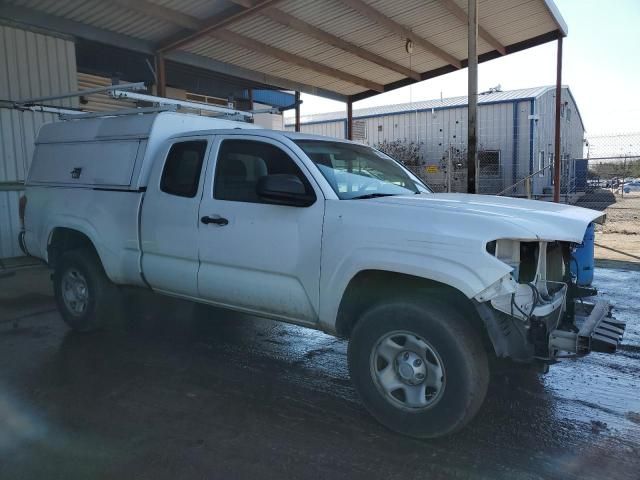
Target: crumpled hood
{"x":544,"y":220}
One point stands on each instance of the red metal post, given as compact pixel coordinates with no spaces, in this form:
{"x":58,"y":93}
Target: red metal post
{"x":556,"y":156}
{"x":472,"y":85}
{"x":297,"y":128}
{"x":161,"y":87}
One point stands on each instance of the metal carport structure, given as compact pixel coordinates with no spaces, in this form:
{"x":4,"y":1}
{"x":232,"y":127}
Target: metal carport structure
{"x":346,"y":50}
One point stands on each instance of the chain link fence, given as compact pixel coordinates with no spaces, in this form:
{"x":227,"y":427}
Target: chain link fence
{"x":609,"y":180}
{"x":606,"y":177}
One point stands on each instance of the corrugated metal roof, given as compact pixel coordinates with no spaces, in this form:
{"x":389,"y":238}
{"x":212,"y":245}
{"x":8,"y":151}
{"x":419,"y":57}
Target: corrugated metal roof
{"x":494,"y":97}
{"x":512,"y":22}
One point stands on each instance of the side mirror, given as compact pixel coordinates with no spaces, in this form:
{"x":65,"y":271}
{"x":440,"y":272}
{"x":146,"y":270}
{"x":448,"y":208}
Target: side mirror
{"x":284,"y":189}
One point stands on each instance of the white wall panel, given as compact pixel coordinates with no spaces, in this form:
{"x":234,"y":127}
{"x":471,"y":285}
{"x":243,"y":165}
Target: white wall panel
{"x":31,"y":65}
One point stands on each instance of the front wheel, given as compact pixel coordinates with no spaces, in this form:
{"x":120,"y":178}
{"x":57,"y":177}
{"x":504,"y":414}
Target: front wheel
{"x":419,"y":367}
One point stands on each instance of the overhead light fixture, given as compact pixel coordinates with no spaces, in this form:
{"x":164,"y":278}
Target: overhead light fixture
{"x":408,"y":46}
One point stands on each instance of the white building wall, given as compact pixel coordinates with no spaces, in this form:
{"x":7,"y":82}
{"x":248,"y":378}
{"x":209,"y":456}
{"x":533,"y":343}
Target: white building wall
{"x":334,"y":129}
{"x":31,"y":65}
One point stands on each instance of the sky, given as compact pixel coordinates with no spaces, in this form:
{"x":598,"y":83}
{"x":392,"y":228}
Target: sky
{"x":601,"y":66}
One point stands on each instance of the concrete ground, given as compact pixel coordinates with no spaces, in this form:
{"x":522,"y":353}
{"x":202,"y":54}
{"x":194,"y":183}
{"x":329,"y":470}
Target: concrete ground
{"x":172,"y":394}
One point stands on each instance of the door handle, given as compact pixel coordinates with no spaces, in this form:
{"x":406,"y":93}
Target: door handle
{"x":218,"y":221}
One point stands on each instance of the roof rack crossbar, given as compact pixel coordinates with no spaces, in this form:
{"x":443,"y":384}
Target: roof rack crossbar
{"x":80,"y":93}
{"x":119,"y":113}
{"x":162,"y":101}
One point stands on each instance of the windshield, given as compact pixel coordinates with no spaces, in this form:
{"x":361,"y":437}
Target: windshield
{"x":357,"y":171}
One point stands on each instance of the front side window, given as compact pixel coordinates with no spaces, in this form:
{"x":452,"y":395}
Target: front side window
{"x":241,"y":163}
{"x":181,"y":174}
{"x":358,"y":171}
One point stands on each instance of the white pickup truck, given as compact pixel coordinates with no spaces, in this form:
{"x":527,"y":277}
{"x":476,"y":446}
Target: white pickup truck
{"x":324,"y":233}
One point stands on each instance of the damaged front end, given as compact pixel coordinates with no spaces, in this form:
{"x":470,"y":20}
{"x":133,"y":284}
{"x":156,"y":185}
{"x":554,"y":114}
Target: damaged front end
{"x":538,"y":311}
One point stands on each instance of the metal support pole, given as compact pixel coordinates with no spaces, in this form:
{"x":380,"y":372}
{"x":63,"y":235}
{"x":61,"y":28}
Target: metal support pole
{"x":161,"y":87}
{"x":556,"y":156}
{"x":349,"y":119}
{"x":472,"y":56}
{"x":250,"y":95}
{"x":297,"y":128}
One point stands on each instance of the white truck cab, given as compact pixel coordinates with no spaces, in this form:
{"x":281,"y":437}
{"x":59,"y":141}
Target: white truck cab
{"x":325,"y":233}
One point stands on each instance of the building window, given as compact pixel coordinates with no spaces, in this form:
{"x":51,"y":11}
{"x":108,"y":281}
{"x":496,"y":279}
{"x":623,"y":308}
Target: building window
{"x":379,"y":128}
{"x":359,"y":130}
{"x":181,"y":174}
{"x":489,"y":163}
{"x":541,"y":165}
{"x":568,"y":114}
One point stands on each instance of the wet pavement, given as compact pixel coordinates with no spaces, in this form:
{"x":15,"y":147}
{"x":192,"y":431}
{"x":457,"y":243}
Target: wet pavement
{"x":179,"y":393}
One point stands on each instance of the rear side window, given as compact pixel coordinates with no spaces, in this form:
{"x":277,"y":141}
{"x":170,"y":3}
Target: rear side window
{"x":181,"y":173}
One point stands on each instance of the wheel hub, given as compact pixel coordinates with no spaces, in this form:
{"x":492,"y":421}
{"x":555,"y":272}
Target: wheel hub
{"x":75,"y":292}
{"x":410,"y":367}
{"x":407,"y":370}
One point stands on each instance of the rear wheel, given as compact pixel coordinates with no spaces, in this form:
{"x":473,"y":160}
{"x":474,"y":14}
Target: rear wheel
{"x":419,"y":367}
{"x":85,"y":296}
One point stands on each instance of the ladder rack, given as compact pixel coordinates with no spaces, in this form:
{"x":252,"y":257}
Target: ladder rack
{"x":126,"y":91}
{"x":117,"y":113}
{"x":162,"y":101}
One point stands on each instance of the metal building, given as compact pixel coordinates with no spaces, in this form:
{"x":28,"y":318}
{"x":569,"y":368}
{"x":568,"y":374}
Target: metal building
{"x":515,"y":137}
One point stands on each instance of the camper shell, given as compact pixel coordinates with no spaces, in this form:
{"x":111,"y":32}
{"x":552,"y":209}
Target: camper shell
{"x":111,"y":151}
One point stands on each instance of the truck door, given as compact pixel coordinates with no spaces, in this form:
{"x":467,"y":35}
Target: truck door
{"x":256,"y":255}
{"x":169,"y":223}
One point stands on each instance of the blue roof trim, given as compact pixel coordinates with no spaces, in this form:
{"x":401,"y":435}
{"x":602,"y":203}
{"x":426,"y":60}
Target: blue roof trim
{"x":275,"y":98}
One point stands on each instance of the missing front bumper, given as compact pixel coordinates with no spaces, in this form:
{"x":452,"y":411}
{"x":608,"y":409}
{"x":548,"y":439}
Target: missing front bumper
{"x":597,"y":331}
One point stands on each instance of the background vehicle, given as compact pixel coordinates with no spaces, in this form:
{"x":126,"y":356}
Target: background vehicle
{"x":319,"y":232}
{"x":633,"y":186}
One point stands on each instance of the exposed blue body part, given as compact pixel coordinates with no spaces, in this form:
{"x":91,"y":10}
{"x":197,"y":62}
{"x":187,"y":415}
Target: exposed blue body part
{"x":582,"y":261}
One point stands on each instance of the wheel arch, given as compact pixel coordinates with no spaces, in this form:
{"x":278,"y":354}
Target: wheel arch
{"x":365,"y":289}
{"x":63,"y":239}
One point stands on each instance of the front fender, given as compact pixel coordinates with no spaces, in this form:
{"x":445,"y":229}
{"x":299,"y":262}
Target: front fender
{"x":469,"y":272}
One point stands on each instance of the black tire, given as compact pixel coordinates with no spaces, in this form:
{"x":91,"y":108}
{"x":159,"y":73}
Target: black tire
{"x":103,"y":298}
{"x":461,"y":354}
